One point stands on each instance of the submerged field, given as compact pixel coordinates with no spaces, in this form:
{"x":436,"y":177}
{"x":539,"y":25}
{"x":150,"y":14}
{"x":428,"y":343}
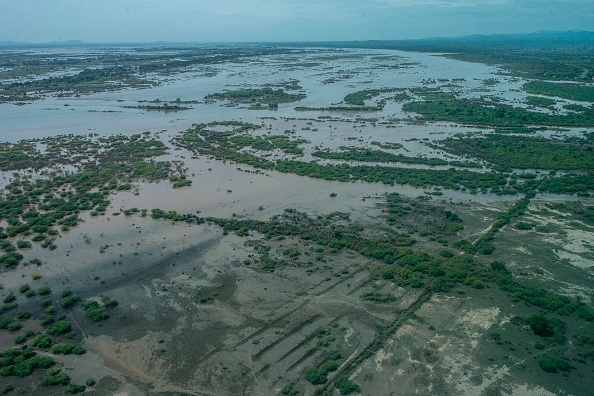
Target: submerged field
{"x":269,"y":220}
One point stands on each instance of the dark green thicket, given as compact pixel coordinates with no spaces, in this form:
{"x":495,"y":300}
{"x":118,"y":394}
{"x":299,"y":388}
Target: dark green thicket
{"x":21,"y":362}
{"x":265,"y":95}
{"x":368,"y":155}
{"x":563,"y":90}
{"x":441,"y":106}
{"x":524,"y":152}
{"x":358,"y":98}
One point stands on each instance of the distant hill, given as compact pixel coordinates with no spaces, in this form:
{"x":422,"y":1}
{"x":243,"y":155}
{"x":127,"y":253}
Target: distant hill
{"x":541,"y":39}
{"x":537,"y":38}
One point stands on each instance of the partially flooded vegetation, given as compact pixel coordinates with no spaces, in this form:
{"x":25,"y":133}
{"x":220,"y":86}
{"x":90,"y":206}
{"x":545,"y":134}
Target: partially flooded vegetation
{"x":373,"y":230}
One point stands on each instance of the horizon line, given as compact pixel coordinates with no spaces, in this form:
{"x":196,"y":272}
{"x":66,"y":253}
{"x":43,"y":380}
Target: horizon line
{"x":75,"y":42}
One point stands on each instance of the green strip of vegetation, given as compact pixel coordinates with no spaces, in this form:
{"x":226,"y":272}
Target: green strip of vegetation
{"x":544,"y":59}
{"x":266,"y":95}
{"x":452,"y":179}
{"x":84,"y":82}
{"x":388,"y":145}
{"x":164,"y":107}
{"x":367,"y":155}
{"x":524,"y":152}
{"x":483,"y":244}
{"x":441,"y":106}
{"x":562,"y":90}
{"x":540,"y":101}
{"x":358,"y":98}
{"x":340,"y":108}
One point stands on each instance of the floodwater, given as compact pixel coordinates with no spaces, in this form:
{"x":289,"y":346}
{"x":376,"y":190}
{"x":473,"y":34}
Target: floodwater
{"x":225,"y":189}
{"x":104,"y":113}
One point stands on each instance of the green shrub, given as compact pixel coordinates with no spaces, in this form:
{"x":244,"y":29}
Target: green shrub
{"x":21,"y":338}
{"x":14,"y":326}
{"x":446,"y":253}
{"x":55,"y":379}
{"x":388,"y":274}
{"x":314,"y":376}
{"x":288,"y":391}
{"x":74,"y":389}
{"x":49,"y":310}
{"x":66,"y":349}
{"x":62,"y":348}
{"x":345,"y":386}
{"x":539,"y":325}
{"x":379,"y":297}
{"x":61,"y":327}
{"x":292,"y":253}
{"x":21,"y":244}
{"x":41,"y":341}
{"x":44,"y":291}
{"x":23,"y":315}
{"x":10,"y":298}
{"x":10,"y":260}
{"x":525,"y":226}
{"x":68,"y":300}
{"x":552,"y":364}
{"x":4,"y":322}
{"x":79,"y":351}
{"x":585,"y":313}
{"x":328,"y":367}
{"x":94,"y":311}
{"x":109,"y":302}
{"x":465,"y":246}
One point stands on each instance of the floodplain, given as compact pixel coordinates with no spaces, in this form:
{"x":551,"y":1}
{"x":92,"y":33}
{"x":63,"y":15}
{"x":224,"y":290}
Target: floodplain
{"x":281,"y":220}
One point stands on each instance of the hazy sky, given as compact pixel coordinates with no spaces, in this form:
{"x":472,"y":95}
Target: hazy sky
{"x":281,"y":20}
